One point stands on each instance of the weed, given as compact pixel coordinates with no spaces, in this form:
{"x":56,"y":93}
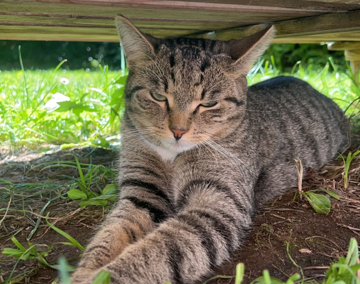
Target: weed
{"x":31,"y":253}
{"x":73,"y":242}
{"x":345,"y":270}
{"x":347,"y":163}
{"x":22,"y":253}
{"x":293,"y":261}
{"x":319,"y":202}
{"x":85,"y":194}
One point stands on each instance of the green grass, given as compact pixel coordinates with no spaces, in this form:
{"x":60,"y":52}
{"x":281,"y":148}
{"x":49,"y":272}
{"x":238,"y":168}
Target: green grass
{"x":91,"y":113}
{"x":88,"y":116}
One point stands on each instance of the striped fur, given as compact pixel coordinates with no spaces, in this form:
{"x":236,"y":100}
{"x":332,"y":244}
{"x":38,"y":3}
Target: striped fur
{"x":186,"y":203}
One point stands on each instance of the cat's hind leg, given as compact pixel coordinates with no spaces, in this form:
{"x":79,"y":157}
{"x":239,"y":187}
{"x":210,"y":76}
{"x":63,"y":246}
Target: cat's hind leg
{"x":275,"y":180}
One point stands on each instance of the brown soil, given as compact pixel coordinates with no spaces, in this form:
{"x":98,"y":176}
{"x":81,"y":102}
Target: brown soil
{"x":314,"y":240}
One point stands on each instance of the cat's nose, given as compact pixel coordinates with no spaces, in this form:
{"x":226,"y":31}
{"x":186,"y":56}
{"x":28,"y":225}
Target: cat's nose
{"x":178,"y":133}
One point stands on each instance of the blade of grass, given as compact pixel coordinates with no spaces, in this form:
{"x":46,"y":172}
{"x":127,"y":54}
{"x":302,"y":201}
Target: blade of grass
{"x":82,"y":178}
{"x":39,"y":218}
{"x":65,"y":235}
{"x":240,"y":270}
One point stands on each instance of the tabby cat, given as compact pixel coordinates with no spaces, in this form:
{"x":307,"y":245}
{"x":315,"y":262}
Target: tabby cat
{"x":200,"y":152}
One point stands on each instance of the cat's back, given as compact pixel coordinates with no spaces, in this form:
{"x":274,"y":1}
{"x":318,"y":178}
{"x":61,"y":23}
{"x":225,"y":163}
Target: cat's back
{"x":289,"y":97}
{"x":301,"y":118}
{"x":285,"y":88}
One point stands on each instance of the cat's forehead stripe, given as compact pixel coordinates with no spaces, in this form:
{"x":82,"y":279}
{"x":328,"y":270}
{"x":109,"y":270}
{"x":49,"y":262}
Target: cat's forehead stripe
{"x":172,"y":60}
{"x":203,"y":94}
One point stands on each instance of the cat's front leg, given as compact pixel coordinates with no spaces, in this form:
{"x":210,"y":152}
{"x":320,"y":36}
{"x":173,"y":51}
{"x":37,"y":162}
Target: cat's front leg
{"x":123,"y":226}
{"x":211,"y":222}
{"x":143,"y":204}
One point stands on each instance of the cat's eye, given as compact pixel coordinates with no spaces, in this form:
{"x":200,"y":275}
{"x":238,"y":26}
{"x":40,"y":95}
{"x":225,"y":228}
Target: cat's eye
{"x":158,"y":97}
{"x":209,"y":104}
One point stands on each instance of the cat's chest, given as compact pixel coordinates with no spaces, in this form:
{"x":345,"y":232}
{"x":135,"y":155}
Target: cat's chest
{"x":167,"y":155}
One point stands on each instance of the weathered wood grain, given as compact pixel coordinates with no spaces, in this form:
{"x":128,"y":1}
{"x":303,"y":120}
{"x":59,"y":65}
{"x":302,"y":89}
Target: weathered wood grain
{"x":336,"y":1}
{"x":310,"y":5}
{"x":353,"y":35}
{"x":96,"y":21}
{"x":73,"y":34}
{"x":301,"y":5}
{"x":328,"y":27}
{"x":159,"y":11}
{"x":92,"y":20}
{"x":343,"y":45}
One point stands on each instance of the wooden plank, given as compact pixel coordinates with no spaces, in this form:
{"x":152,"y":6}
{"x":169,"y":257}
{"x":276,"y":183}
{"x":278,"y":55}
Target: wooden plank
{"x":309,"y":5}
{"x":197,"y":5}
{"x":101,"y":38}
{"x":74,"y":33}
{"x":320,"y":24}
{"x":336,"y":1}
{"x":83,"y":21}
{"x":156,"y":10}
{"x":92,"y":20}
{"x":317,"y":28}
{"x":353,"y":35}
{"x":343,"y":45}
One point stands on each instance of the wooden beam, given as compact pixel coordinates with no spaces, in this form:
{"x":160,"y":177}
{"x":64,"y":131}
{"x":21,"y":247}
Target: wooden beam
{"x":308,"y":5}
{"x":161,"y":10}
{"x":93,"y":19}
{"x":343,"y":45}
{"x":353,"y":35}
{"x":22,"y":19}
{"x":328,"y":23}
{"x":235,"y":6}
{"x":73,"y":33}
{"x":336,"y":1}
{"x":328,"y":27}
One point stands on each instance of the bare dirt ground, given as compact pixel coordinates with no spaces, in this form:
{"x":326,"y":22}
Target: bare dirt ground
{"x":286,"y":235}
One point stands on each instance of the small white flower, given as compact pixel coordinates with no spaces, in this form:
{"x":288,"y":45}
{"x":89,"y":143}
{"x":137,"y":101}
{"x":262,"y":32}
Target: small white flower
{"x":64,"y":81}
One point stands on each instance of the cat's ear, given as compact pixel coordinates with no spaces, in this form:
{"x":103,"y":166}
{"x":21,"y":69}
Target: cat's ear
{"x":138,"y":47}
{"x":246,"y":51}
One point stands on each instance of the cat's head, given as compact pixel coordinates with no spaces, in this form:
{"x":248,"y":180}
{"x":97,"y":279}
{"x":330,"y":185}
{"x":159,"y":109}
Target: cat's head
{"x":184,"y":92}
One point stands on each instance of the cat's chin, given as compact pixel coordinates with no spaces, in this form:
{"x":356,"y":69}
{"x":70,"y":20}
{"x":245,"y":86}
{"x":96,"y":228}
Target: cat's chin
{"x":168,"y":151}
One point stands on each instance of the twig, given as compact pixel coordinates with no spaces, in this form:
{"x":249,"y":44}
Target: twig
{"x":349,"y":227}
{"x":352,"y":229}
{"x":7,"y":208}
{"x":33,"y":213}
{"x":277,"y":216}
{"x":282,"y":209}
{"x":316,"y":267}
